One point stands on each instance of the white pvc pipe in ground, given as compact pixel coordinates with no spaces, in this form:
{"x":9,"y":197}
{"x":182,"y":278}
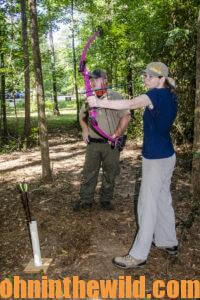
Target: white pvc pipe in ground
{"x":35,"y":243}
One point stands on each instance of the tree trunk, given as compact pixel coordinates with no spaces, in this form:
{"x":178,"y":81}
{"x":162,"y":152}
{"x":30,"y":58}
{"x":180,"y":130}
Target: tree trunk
{"x":74,"y":61}
{"x":196,"y":143}
{"x":3,"y":102}
{"x":53,"y":70}
{"x":115,"y":80}
{"x":27,"y":121}
{"x":43,"y":135}
{"x":15,"y":107}
{"x":129,"y":78}
{"x":12,"y":36}
{"x":129,"y":81}
{"x":129,"y":87}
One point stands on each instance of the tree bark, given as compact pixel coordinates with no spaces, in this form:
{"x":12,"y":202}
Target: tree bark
{"x":27,"y":121}
{"x":3,"y":102}
{"x":74,"y":61}
{"x":130,"y":85}
{"x":129,"y":81}
{"x":43,"y":135}
{"x":53,"y":70}
{"x":196,"y":142}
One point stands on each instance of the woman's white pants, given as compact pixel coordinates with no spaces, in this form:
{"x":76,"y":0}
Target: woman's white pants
{"x":155,"y":212}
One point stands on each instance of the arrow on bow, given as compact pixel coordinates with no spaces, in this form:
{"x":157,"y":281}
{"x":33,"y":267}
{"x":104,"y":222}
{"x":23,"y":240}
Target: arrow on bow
{"x":88,"y":88}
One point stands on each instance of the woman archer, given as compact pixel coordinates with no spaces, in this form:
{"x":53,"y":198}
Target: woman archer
{"x":156,"y":217}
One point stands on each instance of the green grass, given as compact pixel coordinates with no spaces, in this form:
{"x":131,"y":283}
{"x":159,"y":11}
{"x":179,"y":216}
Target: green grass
{"x":66,"y":122}
{"x":56,"y":124}
{"x":61,"y":123}
{"x":49,"y":106}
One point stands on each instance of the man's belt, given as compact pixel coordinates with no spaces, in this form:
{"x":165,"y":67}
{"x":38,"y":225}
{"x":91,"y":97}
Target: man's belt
{"x":101,"y":141}
{"x":119,"y":145}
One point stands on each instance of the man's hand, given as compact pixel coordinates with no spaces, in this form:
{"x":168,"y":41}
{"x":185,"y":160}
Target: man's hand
{"x":122,"y":126}
{"x":85,"y":135}
{"x":114,"y":136}
{"x":93,"y":101}
{"x":120,"y":142}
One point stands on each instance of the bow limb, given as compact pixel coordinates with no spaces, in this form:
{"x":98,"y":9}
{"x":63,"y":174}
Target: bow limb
{"x":94,"y":124}
{"x":82,"y":66}
{"x":88,"y":88}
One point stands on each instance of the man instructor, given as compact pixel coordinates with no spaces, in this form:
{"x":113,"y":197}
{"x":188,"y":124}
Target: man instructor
{"x":99,"y":152}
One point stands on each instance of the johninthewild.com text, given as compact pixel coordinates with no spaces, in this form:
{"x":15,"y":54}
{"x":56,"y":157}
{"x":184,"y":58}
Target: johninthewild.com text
{"x":125,"y":287}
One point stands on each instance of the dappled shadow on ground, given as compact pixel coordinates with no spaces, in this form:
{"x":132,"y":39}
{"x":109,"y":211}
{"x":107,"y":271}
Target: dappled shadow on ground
{"x":38,"y":162}
{"x":84,"y":243}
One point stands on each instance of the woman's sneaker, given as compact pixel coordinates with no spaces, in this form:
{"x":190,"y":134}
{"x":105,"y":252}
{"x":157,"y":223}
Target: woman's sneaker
{"x":128,"y":261}
{"x":170,"y":250}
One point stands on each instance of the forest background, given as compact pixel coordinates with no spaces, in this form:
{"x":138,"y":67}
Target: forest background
{"x":40,"y":48}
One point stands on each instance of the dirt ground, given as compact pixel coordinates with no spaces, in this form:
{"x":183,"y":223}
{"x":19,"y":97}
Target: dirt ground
{"x":84,"y":243}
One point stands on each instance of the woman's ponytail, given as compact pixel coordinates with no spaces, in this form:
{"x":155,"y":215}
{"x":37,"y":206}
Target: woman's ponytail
{"x":170,"y":84}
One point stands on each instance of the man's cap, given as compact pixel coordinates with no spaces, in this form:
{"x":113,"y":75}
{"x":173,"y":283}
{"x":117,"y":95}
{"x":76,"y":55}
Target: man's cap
{"x":156,"y":69}
{"x":159,"y":69}
{"x":98,"y":73}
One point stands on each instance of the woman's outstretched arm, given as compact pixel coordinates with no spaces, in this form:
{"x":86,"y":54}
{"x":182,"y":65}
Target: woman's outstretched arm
{"x":137,"y":102}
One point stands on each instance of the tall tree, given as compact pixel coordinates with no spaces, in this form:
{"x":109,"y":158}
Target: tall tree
{"x":2,"y":74}
{"x":196,"y":143}
{"x":74,"y":59}
{"x":43,"y":135}
{"x":3,"y":99}
{"x":27,"y":121}
{"x":53,"y":71}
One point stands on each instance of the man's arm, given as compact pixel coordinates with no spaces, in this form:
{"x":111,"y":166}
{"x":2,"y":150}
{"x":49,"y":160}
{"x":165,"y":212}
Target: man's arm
{"x":122,"y":126}
{"x":84,"y":126}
